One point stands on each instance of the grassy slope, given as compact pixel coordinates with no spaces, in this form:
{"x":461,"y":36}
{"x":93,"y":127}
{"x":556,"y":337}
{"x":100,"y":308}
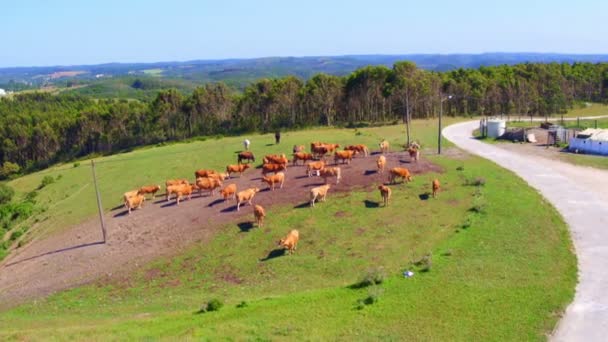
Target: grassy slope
{"x":506,"y":277}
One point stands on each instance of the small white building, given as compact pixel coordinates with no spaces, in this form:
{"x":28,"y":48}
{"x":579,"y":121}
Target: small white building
{"x":2,"y":92}
{"x":591,"y":140}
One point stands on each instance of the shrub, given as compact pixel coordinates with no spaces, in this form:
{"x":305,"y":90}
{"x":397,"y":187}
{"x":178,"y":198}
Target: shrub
{"x":478,"y":181}
{"x":8,"y":169}
{"x":46,"y":180}
{"x":76,"y":164}
{"x":31,"y":196}
{"x":425,"y":263}
{"x":212,"y":305}
{"x":242,"y":304}
{"x":373,"y":295}
{"x":460,"y":168}
{"x":6,"y":193}
{"x":373,"y":276}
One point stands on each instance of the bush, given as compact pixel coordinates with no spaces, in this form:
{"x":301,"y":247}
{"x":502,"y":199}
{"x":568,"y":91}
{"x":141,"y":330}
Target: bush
{"x":460,"y":168}
{"x":242,"y":304}
{"x":8,"y":169}
{"x":478,"y":181}
{"x":425,"y":263}
{"x":76,"y":164}
{"x":373,"y":295}
{"x":212,"y":305}
{"x":373,"y":276}
{"x":6,"y":193}
{"x":46,"y":180}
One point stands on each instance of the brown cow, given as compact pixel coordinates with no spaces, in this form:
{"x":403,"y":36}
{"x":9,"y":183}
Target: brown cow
{"x":346,"y":156}
{"x":219,"y":176}
{"x":275,"y":168}
{"x":248,"y":156}
{"x":399,"y":172}
{"x":436,"y":186}
{"x":245,"y":196}
{"x":134,"y":202}
{"x":414,"y":154}
{"x":290,"y":242}
{"x":314,"y":166}
{"x":297,"y":148}
{"x":331,"y":147}
{"x":229,"y":191}
{"x":384,"y":146}
{"x":278,"y":178}
{"x":385,"y":192}
{"x":358,"y":149}
{"x":331,"y":172}
{"x":259,"y":213}
{"x":275,"y":159}
{"x":319,"y":151}
{"x":303,"y":156}
{"x":203,"y":173}
{"x":176,"y":182}
{"x":319,"y":192}
{"x":149,"y":189}
{"x":381,"y":163}
{"x":183,"y":190}
{"x":208,"y":183}
{"x":172,"y":186}
{"x":239,"y":168}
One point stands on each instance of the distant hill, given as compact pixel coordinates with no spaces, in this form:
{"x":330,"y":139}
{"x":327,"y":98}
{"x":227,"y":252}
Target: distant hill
{"x":239,"y":72}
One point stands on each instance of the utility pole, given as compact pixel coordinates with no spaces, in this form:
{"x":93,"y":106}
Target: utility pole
{"x":440,"y":115}
{"x":99,"y":206}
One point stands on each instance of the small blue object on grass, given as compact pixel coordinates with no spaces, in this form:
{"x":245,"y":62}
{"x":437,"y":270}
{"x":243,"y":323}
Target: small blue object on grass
{"x":408,"y":274}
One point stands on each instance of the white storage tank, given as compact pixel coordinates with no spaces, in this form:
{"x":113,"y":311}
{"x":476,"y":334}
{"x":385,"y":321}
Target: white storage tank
{"x":496,"y":128}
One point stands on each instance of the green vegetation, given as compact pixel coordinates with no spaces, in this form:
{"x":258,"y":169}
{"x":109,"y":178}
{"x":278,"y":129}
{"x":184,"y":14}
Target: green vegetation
{"x":506,"y":275}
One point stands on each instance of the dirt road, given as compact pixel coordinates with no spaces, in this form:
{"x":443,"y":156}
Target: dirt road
{"x":580,"y":194}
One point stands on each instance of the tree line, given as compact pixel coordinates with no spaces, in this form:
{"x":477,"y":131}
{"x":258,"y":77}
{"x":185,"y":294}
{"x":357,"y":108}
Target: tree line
{"x":38,"y":129}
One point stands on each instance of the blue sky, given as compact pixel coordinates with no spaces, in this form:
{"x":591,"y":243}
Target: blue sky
{"x":67,"y":32}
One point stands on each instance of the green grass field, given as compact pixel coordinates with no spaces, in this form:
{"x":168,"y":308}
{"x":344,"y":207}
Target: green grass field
{"x":501,"y":266}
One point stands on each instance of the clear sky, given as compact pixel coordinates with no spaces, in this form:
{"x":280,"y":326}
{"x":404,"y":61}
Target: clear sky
{"x":67,"y":32}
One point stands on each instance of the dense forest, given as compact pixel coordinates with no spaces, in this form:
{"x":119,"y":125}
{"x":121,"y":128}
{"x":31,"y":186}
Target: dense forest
{"x":38,"y":129}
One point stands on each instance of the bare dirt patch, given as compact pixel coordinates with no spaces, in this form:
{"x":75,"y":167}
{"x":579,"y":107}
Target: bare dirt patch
{"x":78,"y":255}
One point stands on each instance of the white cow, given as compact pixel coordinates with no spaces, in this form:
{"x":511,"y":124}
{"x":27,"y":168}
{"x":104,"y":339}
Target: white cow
{"x":246,"y":144}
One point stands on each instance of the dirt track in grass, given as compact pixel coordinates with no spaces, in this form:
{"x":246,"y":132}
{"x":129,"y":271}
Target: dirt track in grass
{"x":78,"y":255}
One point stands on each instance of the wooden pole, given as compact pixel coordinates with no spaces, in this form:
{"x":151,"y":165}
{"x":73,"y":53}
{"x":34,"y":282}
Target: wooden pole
{"x":99,"y":206}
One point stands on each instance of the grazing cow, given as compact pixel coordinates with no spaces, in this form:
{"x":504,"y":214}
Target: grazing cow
{"x":134,"y":202}
{"x":290,"y":242}
{"x":331,"y":172}
{"x":248,"y":156}
{"x":268,"y":168}
{"x":239,"y":168}
{"x":384,"y":146}
{"x":319,"y":192}
{"x":314,"y":166}
{"x":399,"y":172}
{"x":245,"y":196}
{"x":414,"y":153}
{"x":297,"y":148}
{"x":276,"y":159}
{"x":259,"y":213}
{"x":385,"y":192}
{"x":346,"y":156}
{"x":246,"y":144}
{"x":358,"y":149}
{"x":381,"y":163}
{"x":303,"y":156}
{"x":208,"y":183}
{"x":436,"y":186}
{"x":278,"y":178}
{"x":149,"y":189}
{"x":204,"y":173}
{"x":319,"y":151}
{"x":229,"y":191}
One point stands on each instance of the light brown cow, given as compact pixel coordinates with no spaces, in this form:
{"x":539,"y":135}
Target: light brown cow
{"x":129,"y":194}
{"x":358,"y":149}
{"x":384,"y":146}
{"x":319,"y":192}
{"x":208,"y":184}
{"x":149,"y":189}
{"x":245,"y":196}
{"x":414,"y":154}
{"x":436,"y":186}
{"x":399,"y":172}
{"x":381,"y":163}
{"x":219,"y":176}
{"x":385,"y":192}
{"x":229,"y":191}
{"x":303,"y":156}
{"x":328,"y":172}
{"x":345,"y":156}
{"x":134,"y":202}
{"x":290,"y":242}
{"x":204,"y":173}
{"x":276,"y":159}
{"x":298,"y":148}
{"x":331,"y":147}
{"x":268,"y":168}
{"x":278,"y":178}
{"x":182,"y":190}
{"x":239,"y":168}
{"x":260,"y":214}
{"x":314,"y":166}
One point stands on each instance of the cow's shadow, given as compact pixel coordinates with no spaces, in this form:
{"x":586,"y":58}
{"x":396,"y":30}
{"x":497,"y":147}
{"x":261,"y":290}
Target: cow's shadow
{"x":312,"y":184}
{"x":274,"y":254}
{"x":122,"y":213}
{"x":425,"y":196}
{"x":217,"y":201}
{"x":371,"y":204}
{"x":300,"y":177}
{"x":370,"y":172}
{"x":303,"y":205}
{"x":245,"y":226}
{"x":169,"y":204}
{"x":403,"y":161}
{"x":229,"y":209}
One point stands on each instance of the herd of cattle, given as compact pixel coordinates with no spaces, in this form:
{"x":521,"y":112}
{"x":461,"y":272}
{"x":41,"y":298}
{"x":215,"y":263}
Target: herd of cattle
{"x":273,"y":174}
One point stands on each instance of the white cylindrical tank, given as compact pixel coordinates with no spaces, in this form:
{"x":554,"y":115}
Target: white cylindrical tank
{"x":496,"y":128}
